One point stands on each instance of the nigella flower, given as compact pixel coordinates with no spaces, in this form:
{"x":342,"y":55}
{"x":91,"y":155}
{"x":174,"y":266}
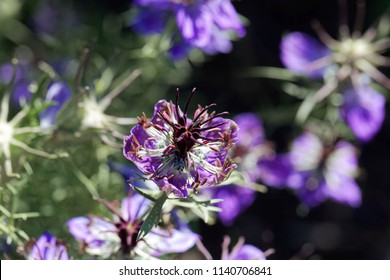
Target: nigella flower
{"x":94,"y":116}
{"x":58,"y":93}
{"x":47,"y":247}
{"x":10,"y":131}
{"x":179,"y":153}
{"x":203,"y":24}
{"x":323,"y":171}
{"x":345,"y":65}
{"x":104,"y":237}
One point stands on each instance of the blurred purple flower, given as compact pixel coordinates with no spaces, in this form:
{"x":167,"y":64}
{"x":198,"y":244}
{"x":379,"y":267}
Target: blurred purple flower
{"x":236,"y":199}
{"x":97,"y":235}
{"x":20,"y":93}
{"x":103,"y":237}
{"x":241,"y":251}
{"x":345,"y":62}
{"x":8,"y":70}
{"x":299,"y":52}
{"x":203,"y":24}
{"x":57,"y":93}
{"x":247,"y":151}
{"x":54,"y":18}
{"x":47,"y":247}
{"x":275,"y":170}
{"x":364,"y":111}
{"x":256,"y":162}
{"x":150,"y":20}
{"x":320,"y":172}
{"x":178,"y":153}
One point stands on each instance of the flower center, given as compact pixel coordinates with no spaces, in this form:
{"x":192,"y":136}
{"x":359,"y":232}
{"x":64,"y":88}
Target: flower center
{"x":6,"y":132}
{"x":351,"y":50}
{"x":94,"y":117}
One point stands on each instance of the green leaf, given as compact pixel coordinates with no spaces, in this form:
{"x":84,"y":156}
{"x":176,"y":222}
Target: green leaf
{"x":237,"y":178}
{"x":144,"y":192}
{"x":271,"y":73}
{"x":153,"y":217}
{"x":305,"y":109}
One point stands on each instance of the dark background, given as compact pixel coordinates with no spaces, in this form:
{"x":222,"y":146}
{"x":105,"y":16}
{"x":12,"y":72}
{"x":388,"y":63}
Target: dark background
{"x":330,"y":231}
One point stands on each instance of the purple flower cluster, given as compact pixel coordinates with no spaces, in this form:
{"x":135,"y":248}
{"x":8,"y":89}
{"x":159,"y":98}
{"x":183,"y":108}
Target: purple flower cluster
{"x":104,"y":237}
{"x":58,"y":92}
{"x":203,"y":24}
{"x":253,"y":154}
{"x":348,"y":66}
{"x":317,"y":171}
{"x":179,"y":153}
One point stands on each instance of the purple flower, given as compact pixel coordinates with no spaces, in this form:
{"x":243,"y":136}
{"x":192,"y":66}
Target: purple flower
{"x":321,"y":172}
{"x":54,"y":18}
{"x":235,"y":200}
{"x":20,"y":93}
{"x":97,"y":235}
{"x":7,"y":73}
{"x":256,"y":161}
{"x":251,"y":146}
{"x":299,"y":51}
{"x":150,"y":20}
{"x":57,"y":93}
{"x":47,"y":247}
{"x":241,"y":251}
{"x":364,"y":111}
{"x":103,"y":237}
{"x":248,"y":150}
{"x":345,"y":64}
{"x":275,"y":170}
{"x":255,"y":156}
{"x":179,"y":153}
{"x":203,"y":24}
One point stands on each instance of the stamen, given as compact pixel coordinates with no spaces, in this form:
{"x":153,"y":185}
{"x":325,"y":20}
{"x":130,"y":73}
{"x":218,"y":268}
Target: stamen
{"x":210,"y":127}
{"x":360,"y":11}
{"x":381,"y":45}
{"x":188,"y":100}
{"x":165,"y":117}
{"x":213,"y":117}
{"x":177,"y":103}
{"x":319,"y":63}
{"x":202,"y":112}
{"x":323,"y":35}
{"x":374,"y":73}
{"x":324,"y":91}
{"x":343,"y":19}
{"x":379,"y":60}
{"x":370,"y":34}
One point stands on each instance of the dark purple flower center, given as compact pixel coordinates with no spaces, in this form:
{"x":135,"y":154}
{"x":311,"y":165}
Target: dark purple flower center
{"x":128,"y":234}
{"x":186,"y":132}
